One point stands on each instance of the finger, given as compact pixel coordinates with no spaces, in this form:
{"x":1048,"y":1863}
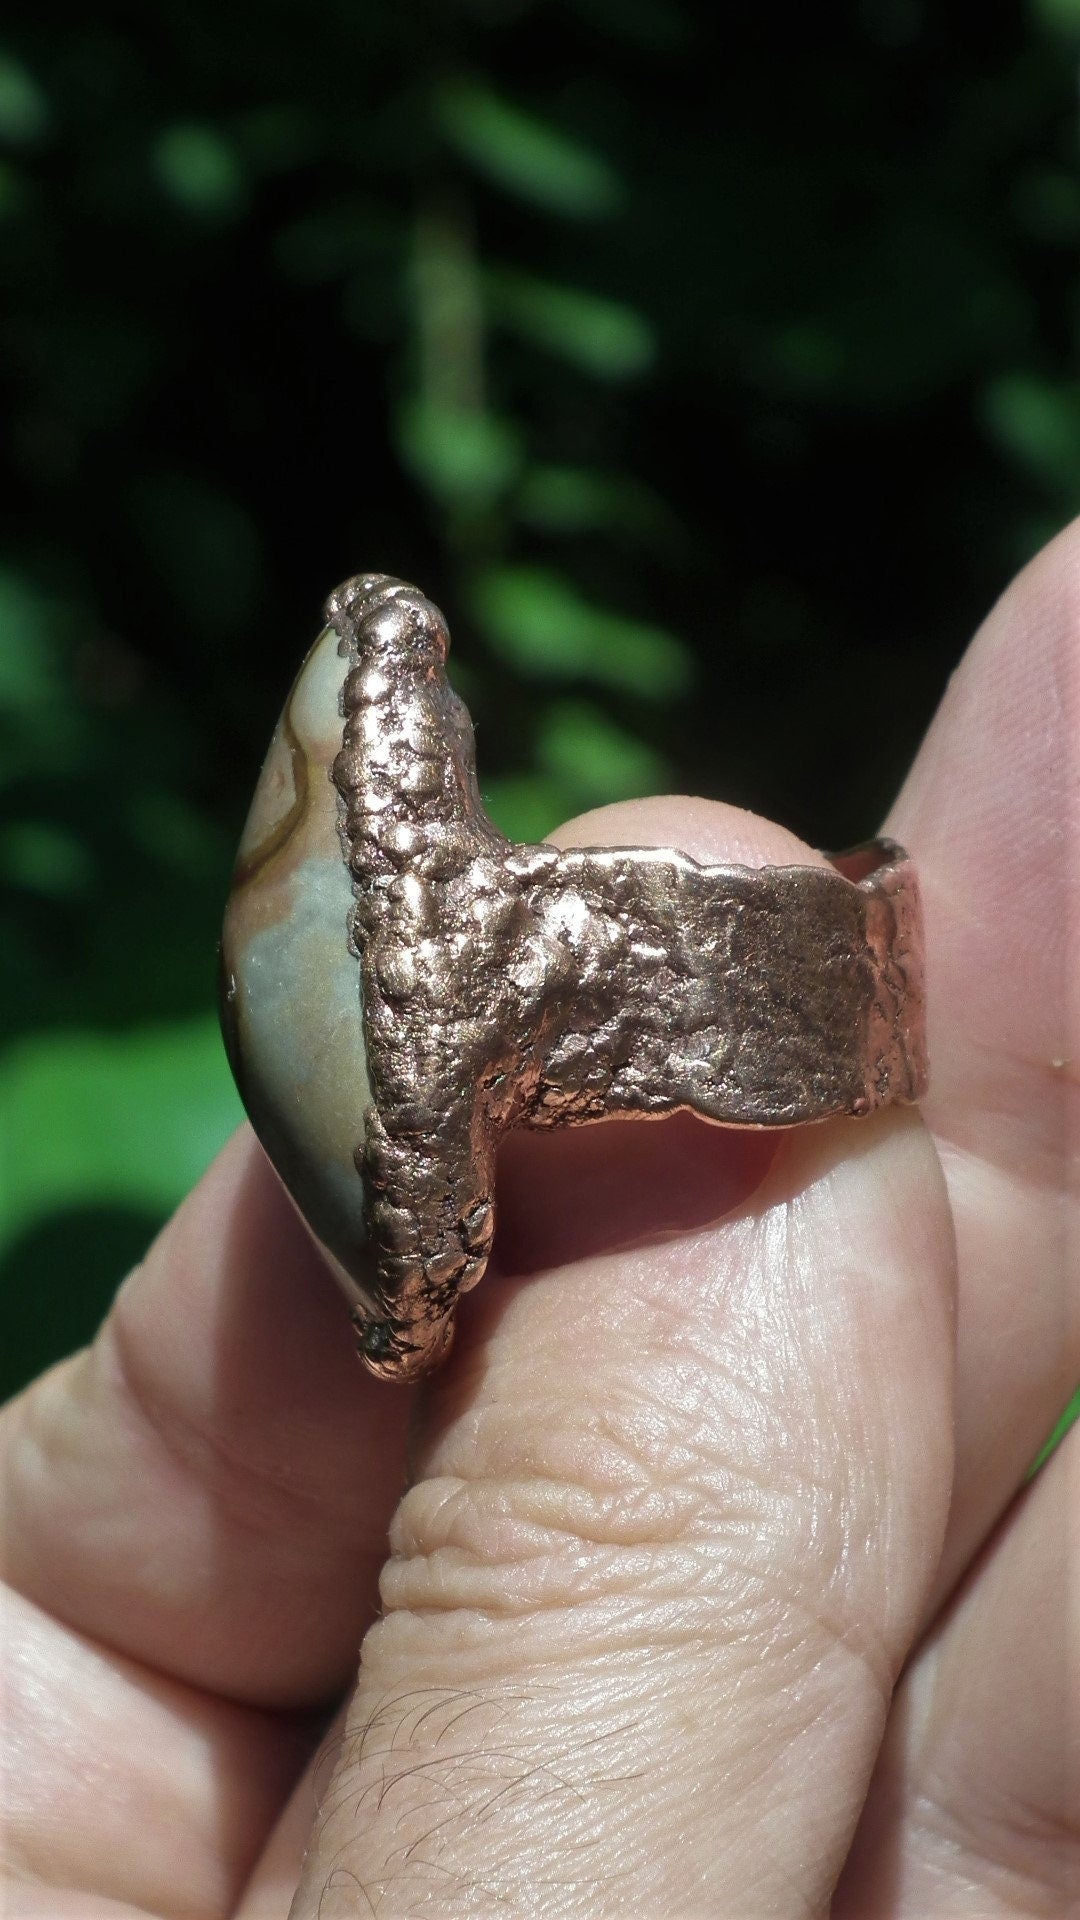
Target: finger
{"x":207,"y":1488}
{"x":120,"y":1786}
{"x":991,"y":812}
{"x":974,"y":1812}
{"x":675,"y":1512}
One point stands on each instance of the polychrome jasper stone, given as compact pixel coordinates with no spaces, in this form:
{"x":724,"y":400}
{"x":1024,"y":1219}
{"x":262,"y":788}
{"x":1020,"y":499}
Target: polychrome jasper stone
{"x":401,"y":984}
{"x":292,"y":996}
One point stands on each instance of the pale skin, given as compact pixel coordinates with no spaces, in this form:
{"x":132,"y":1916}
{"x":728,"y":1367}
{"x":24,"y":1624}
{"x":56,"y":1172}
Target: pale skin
{"x":704,"y":1581}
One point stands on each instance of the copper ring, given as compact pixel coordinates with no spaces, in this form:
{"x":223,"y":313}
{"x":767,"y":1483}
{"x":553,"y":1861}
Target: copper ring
{"x":509,"y":985}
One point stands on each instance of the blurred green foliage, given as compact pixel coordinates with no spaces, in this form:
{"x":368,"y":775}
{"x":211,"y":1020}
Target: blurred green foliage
{"x":713,"y":375}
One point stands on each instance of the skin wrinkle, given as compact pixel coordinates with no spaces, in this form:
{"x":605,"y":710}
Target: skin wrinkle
{"x":189,"y":1458}
{"x":483,"y":1650}
{"x":521,"y":1778}
{"x":981,"y":1857}
{"x":450,"y":1586}
{"x":739,"y":1370}
{"x":996,"y":1828}
{"x":434,"y":1698}
{"x":543,"y":1512}
{"x":444,"y":1579}
{"x":251,"y":1493}
{"x":869,"y":1648}
{"x":635,"y":1452}
{"x":441,"y":1561}
{"x":595,"y":1470}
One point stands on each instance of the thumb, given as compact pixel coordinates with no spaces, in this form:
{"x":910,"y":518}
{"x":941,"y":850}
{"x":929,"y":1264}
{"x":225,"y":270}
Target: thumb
{"x":674,"y":1508}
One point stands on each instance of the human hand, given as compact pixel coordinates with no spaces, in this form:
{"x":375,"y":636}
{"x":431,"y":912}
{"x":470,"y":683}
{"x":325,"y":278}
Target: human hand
{"x":659,"y":1565}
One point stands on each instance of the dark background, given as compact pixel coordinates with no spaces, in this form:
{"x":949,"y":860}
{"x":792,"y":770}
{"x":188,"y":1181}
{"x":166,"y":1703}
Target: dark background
{"x":713,"y":367}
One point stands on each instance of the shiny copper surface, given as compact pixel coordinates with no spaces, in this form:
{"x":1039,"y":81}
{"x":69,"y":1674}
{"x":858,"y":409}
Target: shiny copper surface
{"x":508,"y":985}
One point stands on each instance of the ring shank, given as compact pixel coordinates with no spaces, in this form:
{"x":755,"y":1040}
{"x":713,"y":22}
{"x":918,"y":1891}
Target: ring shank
{"x":755,"y":997}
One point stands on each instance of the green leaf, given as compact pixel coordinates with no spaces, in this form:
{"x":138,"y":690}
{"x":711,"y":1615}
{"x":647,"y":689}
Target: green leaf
{"x":462,"y":457}
{"x":30,"y":672}
{"x":90,"y":1118}
{"x":595,"y":759}
{"x":1037,"y":421}
{"x":1058,"y":16}
{"x":524,"y":155}
{"x":585,"y":760}
{"x":569,"y":499}
{"x":43,"y":858}
{"x":528,"y":806}
{"x":24,"y":109}
{"x":1068,"y":1419}
{"x":41,"y":726}
{"x":176,"y":835}
{"x":198,"y":169}
{"x":538,"y":621}
{"x":573,"y":500}
{"x":599,"y":336}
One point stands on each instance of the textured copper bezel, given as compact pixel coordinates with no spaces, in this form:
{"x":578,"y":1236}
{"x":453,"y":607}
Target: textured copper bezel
{"x":508,"y":985}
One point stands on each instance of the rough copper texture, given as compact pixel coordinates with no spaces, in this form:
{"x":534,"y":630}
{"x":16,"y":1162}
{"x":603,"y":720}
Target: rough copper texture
{"x":513,"y":985}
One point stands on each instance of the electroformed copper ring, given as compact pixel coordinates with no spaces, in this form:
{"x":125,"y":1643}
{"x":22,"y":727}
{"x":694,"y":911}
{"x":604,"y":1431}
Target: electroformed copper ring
{"x":402,"y":984}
